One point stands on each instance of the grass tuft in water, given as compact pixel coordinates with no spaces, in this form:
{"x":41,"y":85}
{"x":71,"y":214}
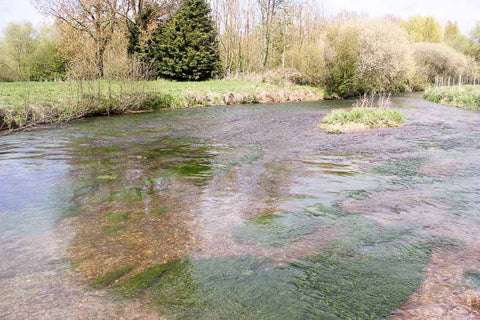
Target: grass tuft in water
{"x":339,"y":121}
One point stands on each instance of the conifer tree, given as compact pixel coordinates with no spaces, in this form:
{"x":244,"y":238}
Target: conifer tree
{"x":185,"y":47}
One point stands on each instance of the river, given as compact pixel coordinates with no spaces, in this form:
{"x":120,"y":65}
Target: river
{"x":242,"y":212}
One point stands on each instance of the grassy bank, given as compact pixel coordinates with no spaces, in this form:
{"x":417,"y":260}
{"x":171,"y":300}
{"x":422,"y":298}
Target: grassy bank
{"x":24,"y":104}
{"x":467,"y":97}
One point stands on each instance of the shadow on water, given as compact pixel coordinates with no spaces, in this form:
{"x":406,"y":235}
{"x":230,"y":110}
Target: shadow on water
{"x":244,"y":212}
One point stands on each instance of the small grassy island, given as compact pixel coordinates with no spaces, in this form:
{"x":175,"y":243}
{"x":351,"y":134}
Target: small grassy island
{"x":466,"y":97}
{"x":367,"y":113}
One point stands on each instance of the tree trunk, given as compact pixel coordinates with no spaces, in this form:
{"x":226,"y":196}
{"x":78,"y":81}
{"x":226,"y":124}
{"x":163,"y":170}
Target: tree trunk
{"x":267,"y":45}
{"x":99,"y":57}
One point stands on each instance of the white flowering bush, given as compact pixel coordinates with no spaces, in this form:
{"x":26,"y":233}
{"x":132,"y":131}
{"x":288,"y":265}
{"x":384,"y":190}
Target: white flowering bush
{"x":368,"y":56}
{"x":439,"y":60}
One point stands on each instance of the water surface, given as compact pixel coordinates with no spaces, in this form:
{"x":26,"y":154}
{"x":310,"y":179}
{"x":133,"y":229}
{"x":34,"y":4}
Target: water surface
{"x":242,"y":212}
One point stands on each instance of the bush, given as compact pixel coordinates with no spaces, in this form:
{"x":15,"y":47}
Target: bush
{"x":433,"y":59}
{"x":283,"y":76}
{"x":368,"y":56}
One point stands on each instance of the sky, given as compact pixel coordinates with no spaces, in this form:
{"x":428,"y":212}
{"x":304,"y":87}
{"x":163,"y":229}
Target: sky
{"x":465,"y":12}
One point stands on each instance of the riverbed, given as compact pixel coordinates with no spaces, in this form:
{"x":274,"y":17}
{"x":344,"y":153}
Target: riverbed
{"x":243,"y":212}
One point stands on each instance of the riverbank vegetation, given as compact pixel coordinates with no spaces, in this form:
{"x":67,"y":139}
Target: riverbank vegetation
{"x":467,"y":97}
{"x":367,"y":113}
{"x":347,"y":54}
{"x":25,"y":104}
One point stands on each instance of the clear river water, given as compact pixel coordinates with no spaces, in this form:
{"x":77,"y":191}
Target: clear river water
{"x":243,"y":212}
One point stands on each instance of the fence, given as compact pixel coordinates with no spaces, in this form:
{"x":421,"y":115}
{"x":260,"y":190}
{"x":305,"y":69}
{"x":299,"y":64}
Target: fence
{"x":456,"y":81}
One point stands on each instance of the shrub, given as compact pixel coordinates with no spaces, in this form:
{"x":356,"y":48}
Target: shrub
{"x":283,"y":76}
{"x":368,"y":56}
{"x":433,"y":59}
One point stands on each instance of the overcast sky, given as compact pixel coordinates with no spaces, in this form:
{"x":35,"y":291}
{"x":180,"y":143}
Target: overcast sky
{"x":465,"y":12}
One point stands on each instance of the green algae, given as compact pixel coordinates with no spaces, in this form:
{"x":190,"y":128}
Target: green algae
{"x":126,"y":196}
{"x":365,"y":275}
{"x":110,"y":278}
{"x":113,"y":230}
{"x":159,"y":211}
{"x":140,"y":282}
{"x":107,"y":177}
{"x":116,"y":217}
{"x":399,"y":168}
{"x":346,"y":281}
{"x":473,"y":277}
{"x":282,"y":228}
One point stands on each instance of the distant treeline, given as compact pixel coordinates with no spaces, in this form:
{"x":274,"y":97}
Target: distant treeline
{"x":347,"y":53}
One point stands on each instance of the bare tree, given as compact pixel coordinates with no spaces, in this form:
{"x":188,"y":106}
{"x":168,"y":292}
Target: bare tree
{"x":268,"y":10}
{"x":96,"y":18}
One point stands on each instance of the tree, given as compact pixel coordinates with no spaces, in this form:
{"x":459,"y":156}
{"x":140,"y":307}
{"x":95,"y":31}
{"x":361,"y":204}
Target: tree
{"x":96,"y":18}
{"x":268,"y":10}
{"x":17,"y":48}
{"x":185,"y":47}
{"x":451,"y":30}
{"x":474,"y":49}
{"x":423,"y":29}
{"x":141,"y":20}
{"x":29,"y":54}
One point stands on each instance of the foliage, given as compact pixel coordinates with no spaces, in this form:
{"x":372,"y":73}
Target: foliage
{"x":451,"y":30}
{"x":96,"y":20}
{"x":185,"y":47}
{"x":423,"y":29}
{"x":434,"y":60}
{"x":29,"y":54}
{"x":367,"y":56}
{"x":467,"y":97}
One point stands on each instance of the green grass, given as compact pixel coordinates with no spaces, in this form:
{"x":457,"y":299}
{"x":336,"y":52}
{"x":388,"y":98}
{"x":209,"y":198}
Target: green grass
{"x":467,"y":97}
{"x":25,"y":104}
{"x":360,"y":119}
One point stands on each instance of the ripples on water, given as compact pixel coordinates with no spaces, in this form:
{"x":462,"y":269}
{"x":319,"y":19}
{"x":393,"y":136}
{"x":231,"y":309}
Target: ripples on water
{"x":245,"y":212}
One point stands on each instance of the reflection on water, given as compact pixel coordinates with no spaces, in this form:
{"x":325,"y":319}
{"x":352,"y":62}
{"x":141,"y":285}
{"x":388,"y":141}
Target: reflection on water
{"x":242,"y":212}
